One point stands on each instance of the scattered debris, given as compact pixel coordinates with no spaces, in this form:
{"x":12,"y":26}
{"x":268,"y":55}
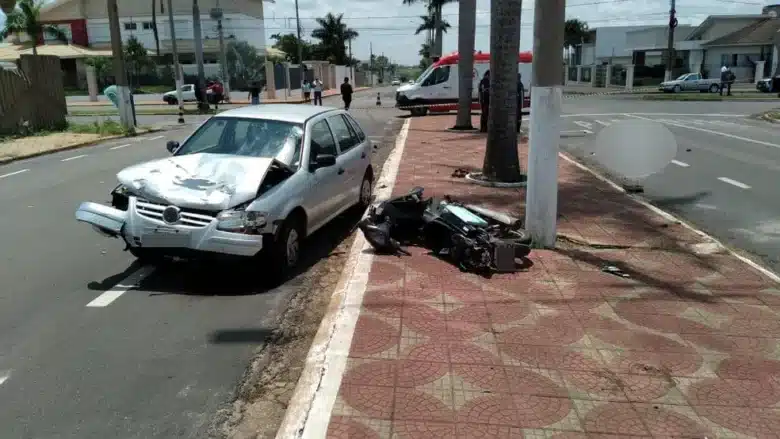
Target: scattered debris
{"x":473,"y":237}
{"x":634,"y":188}
{"x":611,"y":269}
{"x":460,"y":173}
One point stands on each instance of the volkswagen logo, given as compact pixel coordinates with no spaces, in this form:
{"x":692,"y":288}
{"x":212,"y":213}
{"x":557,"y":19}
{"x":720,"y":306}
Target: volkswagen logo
{"x":171,"y":215}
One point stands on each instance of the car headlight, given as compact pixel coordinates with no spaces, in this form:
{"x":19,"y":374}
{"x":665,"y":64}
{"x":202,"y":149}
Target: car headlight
{"x":241,"y":221}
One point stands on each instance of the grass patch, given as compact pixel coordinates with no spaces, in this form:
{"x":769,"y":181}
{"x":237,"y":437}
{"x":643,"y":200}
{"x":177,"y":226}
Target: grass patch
{"x":102,"y":128}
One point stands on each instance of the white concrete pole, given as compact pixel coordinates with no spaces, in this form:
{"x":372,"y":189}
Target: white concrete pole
{"x":541,"y":208}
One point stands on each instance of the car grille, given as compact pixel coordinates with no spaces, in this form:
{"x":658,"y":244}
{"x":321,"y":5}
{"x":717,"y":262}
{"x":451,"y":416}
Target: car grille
{"x":189,"y":217}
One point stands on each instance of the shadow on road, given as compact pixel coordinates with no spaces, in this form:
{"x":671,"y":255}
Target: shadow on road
{"x":246,"y":335}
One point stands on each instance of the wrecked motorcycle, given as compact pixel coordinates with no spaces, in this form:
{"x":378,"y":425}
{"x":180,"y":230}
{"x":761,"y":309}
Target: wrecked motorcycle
{"x":476,"y":239}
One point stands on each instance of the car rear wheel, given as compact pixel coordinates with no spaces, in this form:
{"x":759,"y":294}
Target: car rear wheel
{"x":366,"y":191}
{"x":714,"y":88}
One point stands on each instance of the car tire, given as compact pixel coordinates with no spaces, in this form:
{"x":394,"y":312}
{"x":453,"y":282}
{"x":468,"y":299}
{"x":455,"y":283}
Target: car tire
{"x":714,"y":88}
{"x":677,"y":89}
{"x":148,"y":256}
{"x":286,"y":248}
{"x":366,"y":190}
{"x":419,"y":112}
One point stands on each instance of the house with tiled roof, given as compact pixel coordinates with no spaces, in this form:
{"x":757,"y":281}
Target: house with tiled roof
{"x":747,"y":44}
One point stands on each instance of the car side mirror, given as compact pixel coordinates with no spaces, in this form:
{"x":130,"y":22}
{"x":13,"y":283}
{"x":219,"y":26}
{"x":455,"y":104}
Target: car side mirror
{"x":172,"y":146}
{"x":324,"y":161}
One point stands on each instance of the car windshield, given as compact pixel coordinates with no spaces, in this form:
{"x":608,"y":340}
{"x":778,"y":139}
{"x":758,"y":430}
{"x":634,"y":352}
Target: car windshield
{"x":422,"y":76}
{"x":247,"y":137}
{"x":682,"y":77}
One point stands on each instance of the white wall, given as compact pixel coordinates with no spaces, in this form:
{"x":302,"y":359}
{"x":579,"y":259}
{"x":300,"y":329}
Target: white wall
{"x":611,"y":41}
{"x":656,"y":37}
{"x":743,"y":70}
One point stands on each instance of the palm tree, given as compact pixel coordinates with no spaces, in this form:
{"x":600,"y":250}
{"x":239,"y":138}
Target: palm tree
{"x":154,"y":27}
{"x":7,"y":6}
{"x":428,"y":25}
{"x":26,"y":19}
{"x":467,"y":23}
{"x":334,"y":35}
{"x":434,"y":9}
{"x":502,"y":163}
{"x":575,"y":32}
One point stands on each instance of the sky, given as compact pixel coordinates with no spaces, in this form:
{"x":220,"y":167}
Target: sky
{"x":387,"y":26}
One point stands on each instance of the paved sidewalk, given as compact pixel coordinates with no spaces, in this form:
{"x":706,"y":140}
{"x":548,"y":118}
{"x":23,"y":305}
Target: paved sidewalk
{"x":686,"y":346}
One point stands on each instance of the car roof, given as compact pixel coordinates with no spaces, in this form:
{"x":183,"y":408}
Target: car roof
{"x":296,"y":113}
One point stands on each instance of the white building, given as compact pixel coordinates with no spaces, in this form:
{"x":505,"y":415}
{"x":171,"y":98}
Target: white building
{"x":86,"y":24}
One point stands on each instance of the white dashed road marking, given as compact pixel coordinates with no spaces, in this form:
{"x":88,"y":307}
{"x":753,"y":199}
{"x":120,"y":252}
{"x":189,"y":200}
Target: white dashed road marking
{"x":14,"y":173}
{"x":734,"y":182}
{"x":680,"y":164}
{"x":121,"y":146}
{"x":126,"y":284}
{"x":74,"y":158}
{"x":156,"y":138}
{"x":606,"y":124}
{"x":585,"y":125}
{"x":4,"y":375}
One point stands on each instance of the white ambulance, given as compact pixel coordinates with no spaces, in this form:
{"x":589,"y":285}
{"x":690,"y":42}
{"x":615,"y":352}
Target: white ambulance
{"x":437,"y":87}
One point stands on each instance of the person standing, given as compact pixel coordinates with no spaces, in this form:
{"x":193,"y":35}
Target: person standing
{"x":254,"y":93}
{"x":306,"y":91}
{"x":484,"y":101}
{"x":317,"y":92}
{"x":520,"y":100}
{"x":346,"y":93}
{"x":726,"y":79}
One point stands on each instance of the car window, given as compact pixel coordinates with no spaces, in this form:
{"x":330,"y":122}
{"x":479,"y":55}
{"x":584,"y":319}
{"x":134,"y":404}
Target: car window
{"x":322,"y":141}
{"x":246,"y":137}
{"x":438,"y":76}
{"x":356,"y":127}
{"x":205,"y":139}
{"x":344,"y":135}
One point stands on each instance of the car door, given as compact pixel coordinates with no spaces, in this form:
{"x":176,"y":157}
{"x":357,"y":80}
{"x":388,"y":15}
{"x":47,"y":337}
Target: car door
{"x":352,"y":156}
{"x":188,"y":92}
{"x":436,"y":86}
{"x":325,"y":184}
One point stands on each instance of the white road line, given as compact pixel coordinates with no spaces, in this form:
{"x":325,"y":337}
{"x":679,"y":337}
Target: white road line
{"x":680,"y":164}
{"x":14,"y":173}
{"x":74,"y":158}
{"x":606,"y":124}
{"x":126,"y":284}
{"x":156,"y":138}
{"x":4,"y":375}
{"x":585,"y":125}
{"x":653,"y":114}
{"x":736,"y":183}
{"x":121,"y":146}
{"x":705,"y":130}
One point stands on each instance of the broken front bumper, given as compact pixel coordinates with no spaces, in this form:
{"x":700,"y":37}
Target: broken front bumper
{"x":141,"y":225}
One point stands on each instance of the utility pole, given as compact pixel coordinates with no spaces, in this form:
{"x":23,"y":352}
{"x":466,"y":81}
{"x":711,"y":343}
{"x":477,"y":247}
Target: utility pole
{"x":545,"y":131}
{"x":371,"y":62}
{"x":216,"y":14}
{"x":351,"y":67}
{"x":300,"y":47}
{"x":198,"y":49}
{"x":670,"y":55}
{"x":176,"y":65}
{"x":123,"y":90}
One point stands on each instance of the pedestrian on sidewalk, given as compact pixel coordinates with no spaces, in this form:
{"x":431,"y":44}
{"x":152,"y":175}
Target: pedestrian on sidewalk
{"x":726,"y":79}
{"x":346,"y":93}
{"x":520,"y":100}
{"x":317,"y":92}
{"x":306,"y":91}
{"x":484,"y":101}
{"x":254,"y":93}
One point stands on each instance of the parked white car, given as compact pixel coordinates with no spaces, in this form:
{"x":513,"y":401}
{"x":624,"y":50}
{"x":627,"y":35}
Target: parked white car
{"x":187,"y":94}
{"x":395,"y":82}
{"x":690,"y":82}
{"x":248,"y":182}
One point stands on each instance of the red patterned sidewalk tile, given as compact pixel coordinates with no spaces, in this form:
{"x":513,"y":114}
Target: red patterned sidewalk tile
{"x":683,"y":346}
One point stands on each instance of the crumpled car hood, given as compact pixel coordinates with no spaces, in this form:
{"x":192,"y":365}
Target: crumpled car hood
{"x":198,"y":181}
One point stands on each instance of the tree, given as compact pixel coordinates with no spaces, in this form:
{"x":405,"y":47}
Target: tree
{"x":102,"y":66}
{"x":26,"y":19}
{"x":435,"y":10}
{"x":288,"y":43}
{"x":334,"y":35}
{"x":425,"y":53}
{"x":428,"y":26}
{"x":137,"y":57}
{"x":154,"y":27}
{"x":244,"y":63}
{"x":575,"y":32}
{"x":467,"y":23}
{"x":502,"y":163}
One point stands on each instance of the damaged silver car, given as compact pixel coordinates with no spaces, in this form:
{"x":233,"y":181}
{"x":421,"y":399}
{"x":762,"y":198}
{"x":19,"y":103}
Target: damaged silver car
{"x":250,"y":181}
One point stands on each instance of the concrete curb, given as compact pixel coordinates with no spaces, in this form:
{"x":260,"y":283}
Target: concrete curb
{"x":308,"y":412}
{"x":7,"y":160}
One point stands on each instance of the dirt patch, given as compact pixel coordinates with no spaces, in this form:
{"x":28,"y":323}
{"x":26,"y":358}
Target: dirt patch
{"x":33,"y":145}
{"x":268,"y":385}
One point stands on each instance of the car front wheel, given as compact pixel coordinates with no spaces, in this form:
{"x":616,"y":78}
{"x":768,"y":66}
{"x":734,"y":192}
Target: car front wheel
{"x":677,"y":89}
{"x":286,"y":251}
{"x":714,"y":88}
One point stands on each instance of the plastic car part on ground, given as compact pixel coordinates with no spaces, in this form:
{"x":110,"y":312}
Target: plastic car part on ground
{"x":474,"y":238}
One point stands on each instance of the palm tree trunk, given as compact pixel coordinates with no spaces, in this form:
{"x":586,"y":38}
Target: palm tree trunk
{"x":467,"y":23}
{"x":154,"y":28}
{"x":439,"y":32}
{"x":501,"y":158}
{"x":35,"y":49}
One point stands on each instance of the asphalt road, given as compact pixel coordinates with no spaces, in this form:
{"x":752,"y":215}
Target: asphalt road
{"x":160,"y":350}
{"x":725,"y":175}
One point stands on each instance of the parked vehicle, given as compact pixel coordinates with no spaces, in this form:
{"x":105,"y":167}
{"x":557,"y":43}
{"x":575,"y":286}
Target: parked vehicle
{"x":437,"y":86}
{"x":248,"y":182}
{"x":396,"y":82}
{"x":769,"y":85}
{"x":690,"y":82}
{"x":187,"y":94}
